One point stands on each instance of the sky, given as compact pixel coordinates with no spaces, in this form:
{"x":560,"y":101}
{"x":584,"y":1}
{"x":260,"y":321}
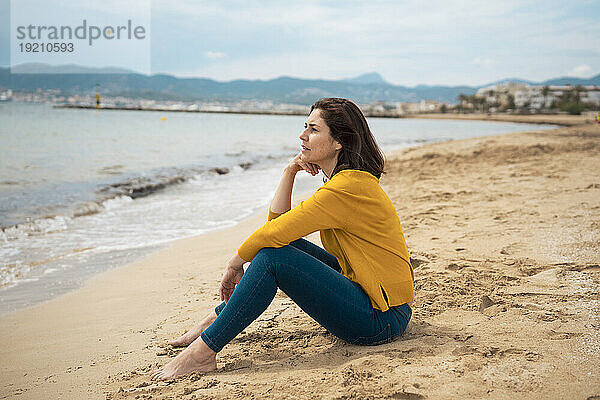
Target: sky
{"x":408,"y":43}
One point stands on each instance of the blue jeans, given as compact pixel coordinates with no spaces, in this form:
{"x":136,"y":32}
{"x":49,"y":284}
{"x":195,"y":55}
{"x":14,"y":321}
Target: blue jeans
{"x":311,"y":277}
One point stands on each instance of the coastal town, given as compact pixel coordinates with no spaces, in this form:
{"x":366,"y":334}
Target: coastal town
{"x":509,"y":97}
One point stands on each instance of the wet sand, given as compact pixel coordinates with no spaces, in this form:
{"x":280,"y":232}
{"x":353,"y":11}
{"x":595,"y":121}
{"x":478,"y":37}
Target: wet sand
{"x":504,"y":232}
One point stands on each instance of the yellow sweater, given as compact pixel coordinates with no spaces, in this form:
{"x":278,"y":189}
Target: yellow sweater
{"x":358,"y":225}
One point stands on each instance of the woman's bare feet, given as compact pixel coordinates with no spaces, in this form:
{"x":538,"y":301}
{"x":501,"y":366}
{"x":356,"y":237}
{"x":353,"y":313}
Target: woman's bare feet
{"x":192,"y":334}
{"x":197,"y":357}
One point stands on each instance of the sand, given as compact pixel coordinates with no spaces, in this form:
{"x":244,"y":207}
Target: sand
{"x":504,"y":232}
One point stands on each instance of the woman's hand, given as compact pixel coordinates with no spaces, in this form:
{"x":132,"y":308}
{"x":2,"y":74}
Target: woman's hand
{"x":231,"y":277}
{"x":297,"y":164}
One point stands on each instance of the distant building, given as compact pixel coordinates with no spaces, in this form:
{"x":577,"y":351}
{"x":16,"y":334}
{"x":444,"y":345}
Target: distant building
{"x":423,"y":106}
{"x":5,"y":95}
{"x":591,"y":95}
{"x":534,"y":97}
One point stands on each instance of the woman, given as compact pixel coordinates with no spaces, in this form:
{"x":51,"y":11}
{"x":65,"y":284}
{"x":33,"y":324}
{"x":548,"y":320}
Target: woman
{"x":359,"y":289}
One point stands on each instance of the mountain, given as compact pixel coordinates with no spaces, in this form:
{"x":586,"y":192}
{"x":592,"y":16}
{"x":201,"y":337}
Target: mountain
{"x":595,"y":80}
{"x":364,"y":89}
{"x":511,"y":80}
{"x":281,"y":90}
{"x":370,"y":78}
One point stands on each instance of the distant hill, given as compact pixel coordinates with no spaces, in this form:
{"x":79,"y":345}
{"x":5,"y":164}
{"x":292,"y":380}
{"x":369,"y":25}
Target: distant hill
{"x":370,"y":78}
{"x":595,"y":80}
{"x":364,"y":89}
{"x":511,"y":80}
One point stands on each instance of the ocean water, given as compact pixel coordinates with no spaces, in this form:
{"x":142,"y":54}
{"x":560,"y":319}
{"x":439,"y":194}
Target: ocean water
{"x":82,"y":191}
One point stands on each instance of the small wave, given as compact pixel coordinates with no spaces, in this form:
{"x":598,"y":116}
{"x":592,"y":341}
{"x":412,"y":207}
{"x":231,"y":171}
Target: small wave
{"x":237,"y":154}
{"x":141,"y":186}
{"x":111,"y":170}
{"x":116,"y":202}
{"x":58,"y":223}
{"x":112,"y":196}
{"x":145,"y":186}
{"x":10,"y":274}
{"x":17,"y":272}
{"x":87,"y":208}
{"x":50,"y":270}
{"x":38,"y":226}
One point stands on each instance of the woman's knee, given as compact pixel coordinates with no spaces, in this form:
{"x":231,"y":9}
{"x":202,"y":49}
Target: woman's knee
{"x":270,"y":257}
{"x":267,"y":256}
{"x":264,"y":257}
{"x":272,"y":252}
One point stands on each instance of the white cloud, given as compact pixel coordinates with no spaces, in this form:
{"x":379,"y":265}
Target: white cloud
{"x":581,"y":71}
{"x":269,"y":67}
{"x":215,"y":55}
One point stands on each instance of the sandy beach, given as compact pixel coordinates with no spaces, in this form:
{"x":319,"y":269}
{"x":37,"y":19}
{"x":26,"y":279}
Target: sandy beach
{"x":504,"y":233}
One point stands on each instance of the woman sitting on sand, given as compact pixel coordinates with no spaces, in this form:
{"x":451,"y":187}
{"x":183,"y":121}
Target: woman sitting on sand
{"x":358,"y":288}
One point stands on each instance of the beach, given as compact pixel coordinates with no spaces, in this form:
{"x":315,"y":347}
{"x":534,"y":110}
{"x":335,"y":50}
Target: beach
{"x":504,"y":234}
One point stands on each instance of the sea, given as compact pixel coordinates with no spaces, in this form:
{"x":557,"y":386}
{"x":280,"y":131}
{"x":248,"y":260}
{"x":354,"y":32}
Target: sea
{"x":83,"y":190}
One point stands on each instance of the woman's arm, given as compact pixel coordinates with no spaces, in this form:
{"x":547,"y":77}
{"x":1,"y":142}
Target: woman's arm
{"x":282,"y":201}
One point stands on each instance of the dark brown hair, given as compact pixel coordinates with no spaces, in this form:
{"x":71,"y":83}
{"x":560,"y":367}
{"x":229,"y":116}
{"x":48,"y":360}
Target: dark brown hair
{"x":349,"y":128}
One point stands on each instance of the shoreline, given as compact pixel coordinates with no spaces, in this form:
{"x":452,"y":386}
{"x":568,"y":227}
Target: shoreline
{"x":558,"y":119}
{"x":553,"y":119}
{"x":81,"y":280}
{"x":477,"y":294}
{"x":139,"y":108}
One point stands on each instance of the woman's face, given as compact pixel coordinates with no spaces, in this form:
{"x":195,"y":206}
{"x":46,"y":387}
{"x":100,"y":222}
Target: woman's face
{"x":318,"y":147}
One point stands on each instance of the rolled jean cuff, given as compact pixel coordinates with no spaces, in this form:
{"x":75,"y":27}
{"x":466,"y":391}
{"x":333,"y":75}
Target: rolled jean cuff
{"x":210,"y":343}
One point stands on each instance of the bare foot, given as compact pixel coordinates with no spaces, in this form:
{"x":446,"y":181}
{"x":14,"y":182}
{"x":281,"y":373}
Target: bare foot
{"x":192,"y":334}
{"x":197,"y":357}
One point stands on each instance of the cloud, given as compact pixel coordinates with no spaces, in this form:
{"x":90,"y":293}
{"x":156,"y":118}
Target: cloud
{"x":433,"y":42}
{"x":269,"y":67}
{"x":581,"y":71}
{"x":215,"y":55}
